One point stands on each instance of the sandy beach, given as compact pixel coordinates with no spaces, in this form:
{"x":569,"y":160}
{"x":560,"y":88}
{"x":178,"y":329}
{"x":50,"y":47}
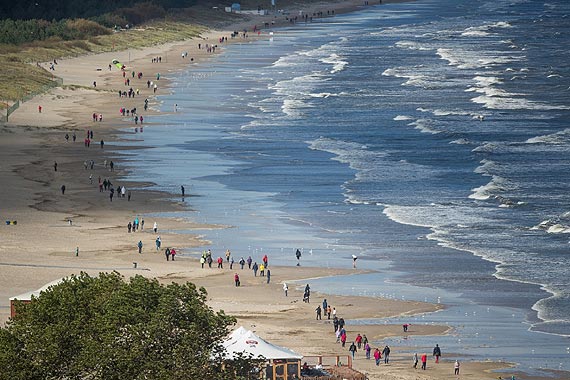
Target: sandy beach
{"x":60,"y":233}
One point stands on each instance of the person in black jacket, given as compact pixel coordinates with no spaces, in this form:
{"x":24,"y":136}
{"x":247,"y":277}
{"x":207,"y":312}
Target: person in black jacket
{"x":436,"y":353}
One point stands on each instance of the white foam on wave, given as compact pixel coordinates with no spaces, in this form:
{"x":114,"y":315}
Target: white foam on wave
{"x":336,"y":61}
{"x":561,"y":137}
{"x":286,"y":61}
{"x":413,"y":78}
{"x":424,"y":126}
{"x":323,"y":95}
{"x":475,"y":32}
{"x":483,"y":30}
{"x":504,"y":102}
{"x":448,"y":112}
{"x":293,"y":107}
{"x":487,"y":167}
{"x":402,"y":118}
{"x":472,"y":59}
{"x":495,"y":98}
{"x":460,"y":142}
{"x":413,"y":45}
{"x":496,"y":185}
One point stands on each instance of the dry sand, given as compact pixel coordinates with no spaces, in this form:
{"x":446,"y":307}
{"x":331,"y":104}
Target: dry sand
{"x":41,"y":247}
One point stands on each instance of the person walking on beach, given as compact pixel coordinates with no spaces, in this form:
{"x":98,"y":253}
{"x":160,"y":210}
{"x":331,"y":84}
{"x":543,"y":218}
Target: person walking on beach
{"x":268,"y":275}
{"x":343,"y":337}
{"x":354,"y":261}
{"x":129,"y":226}
{"x":202,"y":261}
{"x":265,"y":261}
{"x":231,"y":263}
{"x":241,"y":262}
{"x":358,"y":340}
{"x":436,"y":353}
{"x":228,"y":254}
{"x":386,"y":353}
{"x":298,"y":255}
{"x":325,"y":304}
{"x":172,"y":253}
{"x":167,"y":253}
{"x":236,"y":279}
{"x":318,"y":310}
{"x":140,"y":245}
{"x":249,"y":262}
{"x":328,"y":311}
{"x":285,"y":288}
{"x":255,"y":268}
{"x":424,"y":361}
{"x":456,"y":367}
{"x":182,"y":189}
{"x":62,"y":189}
{"x":352,"y":349}
{"x":377,"y":356}
{"x":55,"y":166}
{"x":367,"y":349}
{"x":220,"y":263}
{"x":155,"y":227}
{"x":158,"y":242}
{"x":415,"y":360}
{"x":261,"y":270}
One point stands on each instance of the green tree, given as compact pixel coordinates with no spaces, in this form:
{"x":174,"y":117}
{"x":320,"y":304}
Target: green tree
{"x":107,"y":328}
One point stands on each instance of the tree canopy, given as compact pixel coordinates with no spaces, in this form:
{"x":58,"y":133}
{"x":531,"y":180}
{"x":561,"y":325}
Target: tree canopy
{"x":107,"y":328}
{"x":60,"y":9}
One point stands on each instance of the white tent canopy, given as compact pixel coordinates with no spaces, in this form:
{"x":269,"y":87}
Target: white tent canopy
{"x":246,"y":342}
{"x":36,"y":293}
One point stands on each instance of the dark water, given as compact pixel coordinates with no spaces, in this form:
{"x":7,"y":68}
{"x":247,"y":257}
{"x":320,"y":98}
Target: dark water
{"x":430,"y":138}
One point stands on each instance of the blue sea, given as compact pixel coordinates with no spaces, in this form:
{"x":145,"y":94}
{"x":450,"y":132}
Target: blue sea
{"x":430,"y":138}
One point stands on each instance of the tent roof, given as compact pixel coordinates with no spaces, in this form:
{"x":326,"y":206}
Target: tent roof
{"x":36,"y":293}
{"x":244,"y":341}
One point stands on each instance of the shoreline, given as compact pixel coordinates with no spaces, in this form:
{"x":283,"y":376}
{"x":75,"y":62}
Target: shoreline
{"x":97,"y":214}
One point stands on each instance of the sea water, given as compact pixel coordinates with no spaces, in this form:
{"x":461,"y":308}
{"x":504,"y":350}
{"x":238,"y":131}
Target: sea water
{"x":428,"y":138}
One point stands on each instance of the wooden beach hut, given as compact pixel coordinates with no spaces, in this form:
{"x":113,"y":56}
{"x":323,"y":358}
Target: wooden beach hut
{"x":27,"y":297}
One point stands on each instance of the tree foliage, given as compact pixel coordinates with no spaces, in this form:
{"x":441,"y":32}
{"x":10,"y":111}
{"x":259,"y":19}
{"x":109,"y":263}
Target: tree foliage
{"x":21,"y":31}
{"x":68,"y":9}
{"x":107,"y":328}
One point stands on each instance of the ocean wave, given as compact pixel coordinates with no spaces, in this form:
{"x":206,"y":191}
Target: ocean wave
{"x":336,"y":61}
{"x":424,"y":126}
{"x":487,"y":167}
{"x":556,"y":225}
{"x":483,"y":30}
{"x":323,"y":95}
{"x":561,"y":137}
{"x":412,"y":45}
{"x":402,"y":117}
{"x":473,"y":59}
{"x":496,"y":185}
{"x":503,"y":102}
{"x":448,"y":112}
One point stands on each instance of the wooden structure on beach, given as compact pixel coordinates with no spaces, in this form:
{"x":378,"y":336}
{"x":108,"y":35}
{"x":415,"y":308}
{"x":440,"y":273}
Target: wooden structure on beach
{"x":334,"y":367}
{"x":282,"y":363}
{"x":27,"y":297}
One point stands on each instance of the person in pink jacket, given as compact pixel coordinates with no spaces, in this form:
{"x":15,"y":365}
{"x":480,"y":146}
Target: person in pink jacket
{"x":377,"y":356}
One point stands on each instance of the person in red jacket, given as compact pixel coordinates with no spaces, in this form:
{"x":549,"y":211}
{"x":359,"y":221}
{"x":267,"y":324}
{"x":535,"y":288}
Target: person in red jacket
{"x":424,"y":361}
{"x":358,"y":340}
{"x":236,"y":279}
{"x":220,"y":263}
